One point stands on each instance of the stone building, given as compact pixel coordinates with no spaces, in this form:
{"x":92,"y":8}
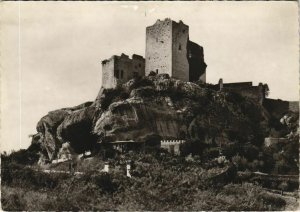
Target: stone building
{"x":120,"y":69}
{"x":246,"y":89}
{"x":169,"y":51}
{"x":172,"y":146}
{"x":278,"y":108}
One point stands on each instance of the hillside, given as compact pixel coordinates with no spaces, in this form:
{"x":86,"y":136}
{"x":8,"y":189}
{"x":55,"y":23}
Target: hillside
{"x":223,"y":156}
{"x":155,"y":105}
{"x":159,"y":107}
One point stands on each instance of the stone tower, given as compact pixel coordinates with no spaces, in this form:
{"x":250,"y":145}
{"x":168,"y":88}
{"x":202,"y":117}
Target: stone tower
{"x":167,"y":49}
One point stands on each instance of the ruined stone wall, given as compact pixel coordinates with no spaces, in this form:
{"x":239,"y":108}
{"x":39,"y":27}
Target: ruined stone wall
{"x":138,"y":65}
{"x":278,"y":107}
{"x":172,"y":146}
{"x":123,"y":68}
{"x":197,"y":66}
{"x":180,"y":38}
{"x":237,"y":85}
{"x":158,"y":47}
{"x":269,"y":141}
{"x":120,"y":69}
{"x":108,"y":79}
{"x":245,"y":89}
{"x":253,"y":92}
{"x":294,"y":106}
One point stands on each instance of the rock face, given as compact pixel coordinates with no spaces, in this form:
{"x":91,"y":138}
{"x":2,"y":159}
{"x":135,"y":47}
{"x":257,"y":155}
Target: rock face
{"x":153,"y":105}
{"x":137,"y":118}
{"x":49,"y":135}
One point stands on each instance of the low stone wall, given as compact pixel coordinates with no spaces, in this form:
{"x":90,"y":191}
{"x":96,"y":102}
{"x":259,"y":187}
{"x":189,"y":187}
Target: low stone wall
{"x":294,"y":106}
{"x":278,"y":107}
{"x":173,"y":146}
{"x":269,"y":141}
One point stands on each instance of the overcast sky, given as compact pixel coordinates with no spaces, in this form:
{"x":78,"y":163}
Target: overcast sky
{"x":51,"y":52}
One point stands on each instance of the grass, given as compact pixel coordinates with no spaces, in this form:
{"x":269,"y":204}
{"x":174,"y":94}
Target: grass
{"x":158,"y":183}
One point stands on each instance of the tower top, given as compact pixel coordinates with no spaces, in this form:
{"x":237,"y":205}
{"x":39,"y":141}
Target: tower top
{"x":167,"y":21}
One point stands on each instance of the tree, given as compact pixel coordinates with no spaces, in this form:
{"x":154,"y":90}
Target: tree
{"x":283,"y":186}
{"x":265,"y":88}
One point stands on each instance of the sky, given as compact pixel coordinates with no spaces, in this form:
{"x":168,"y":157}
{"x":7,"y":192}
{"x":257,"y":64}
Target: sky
{"x":51,"y":52}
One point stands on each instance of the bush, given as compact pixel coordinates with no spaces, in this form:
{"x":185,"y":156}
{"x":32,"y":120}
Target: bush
{"x":25,"y":157}
{"x":17,"y":175}
{"x":140,"y":82}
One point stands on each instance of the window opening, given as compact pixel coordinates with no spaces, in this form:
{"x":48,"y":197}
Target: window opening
{"x":116,"y":73}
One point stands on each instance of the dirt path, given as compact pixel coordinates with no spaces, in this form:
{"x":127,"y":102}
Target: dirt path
{"x":58,"y":171}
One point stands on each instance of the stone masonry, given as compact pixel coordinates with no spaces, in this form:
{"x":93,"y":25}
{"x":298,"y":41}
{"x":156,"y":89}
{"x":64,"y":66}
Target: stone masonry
{"x":120,"y":69}
{"x":169,"y":51}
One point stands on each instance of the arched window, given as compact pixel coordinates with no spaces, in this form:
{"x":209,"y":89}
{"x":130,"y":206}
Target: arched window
{"x":156,"y":71}
{"x":179,"y":48}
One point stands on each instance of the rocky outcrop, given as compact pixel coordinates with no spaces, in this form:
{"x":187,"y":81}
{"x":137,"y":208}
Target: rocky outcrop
{"x":136,"y":118}
{"x":153,"y":106}
{"x":49,"y":130}
{"x":77,"y":128}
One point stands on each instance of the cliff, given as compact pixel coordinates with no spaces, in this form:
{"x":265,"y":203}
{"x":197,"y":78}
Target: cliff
{"x":153,"y":105}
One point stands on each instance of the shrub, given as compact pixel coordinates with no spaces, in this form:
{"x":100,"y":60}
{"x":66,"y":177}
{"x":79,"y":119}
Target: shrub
{"x":140,"y":82}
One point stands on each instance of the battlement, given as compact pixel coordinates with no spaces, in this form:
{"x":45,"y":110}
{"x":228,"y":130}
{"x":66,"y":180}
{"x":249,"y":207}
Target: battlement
{"x":172,"y":142}
{"x":166,"y":21}
{"x":172,"y":146}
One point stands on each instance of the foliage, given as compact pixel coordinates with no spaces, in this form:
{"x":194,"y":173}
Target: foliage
{"x":111,"y":95}
{"x":24,"y":156}
{"x":161,"y":182}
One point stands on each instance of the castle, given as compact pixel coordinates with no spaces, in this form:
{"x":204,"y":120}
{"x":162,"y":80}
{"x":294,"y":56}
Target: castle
{"x":168,"y":51}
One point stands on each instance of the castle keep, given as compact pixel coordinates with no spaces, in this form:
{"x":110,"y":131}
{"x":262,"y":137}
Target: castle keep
{"x":168,"y":51}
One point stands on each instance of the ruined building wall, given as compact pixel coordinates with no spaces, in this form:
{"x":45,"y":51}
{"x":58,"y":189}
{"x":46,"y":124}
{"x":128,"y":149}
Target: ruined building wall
{"x":245,"y":89}
{"x":294,"y":106}
{"x":108,"y":79}
{"x":278,"y":107}
{"x":180,"y":38}
{"x":138,"y":65}
{"x":158,"y":47}
{"x":197,"y":66}
{"x":123,"y":67}
{"x":120,"y":69}
{"x":253,"y":92}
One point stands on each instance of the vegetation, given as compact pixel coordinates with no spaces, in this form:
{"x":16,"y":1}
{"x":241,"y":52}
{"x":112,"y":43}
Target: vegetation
{"x":159,"y":182}
{"x":224,"y":147}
